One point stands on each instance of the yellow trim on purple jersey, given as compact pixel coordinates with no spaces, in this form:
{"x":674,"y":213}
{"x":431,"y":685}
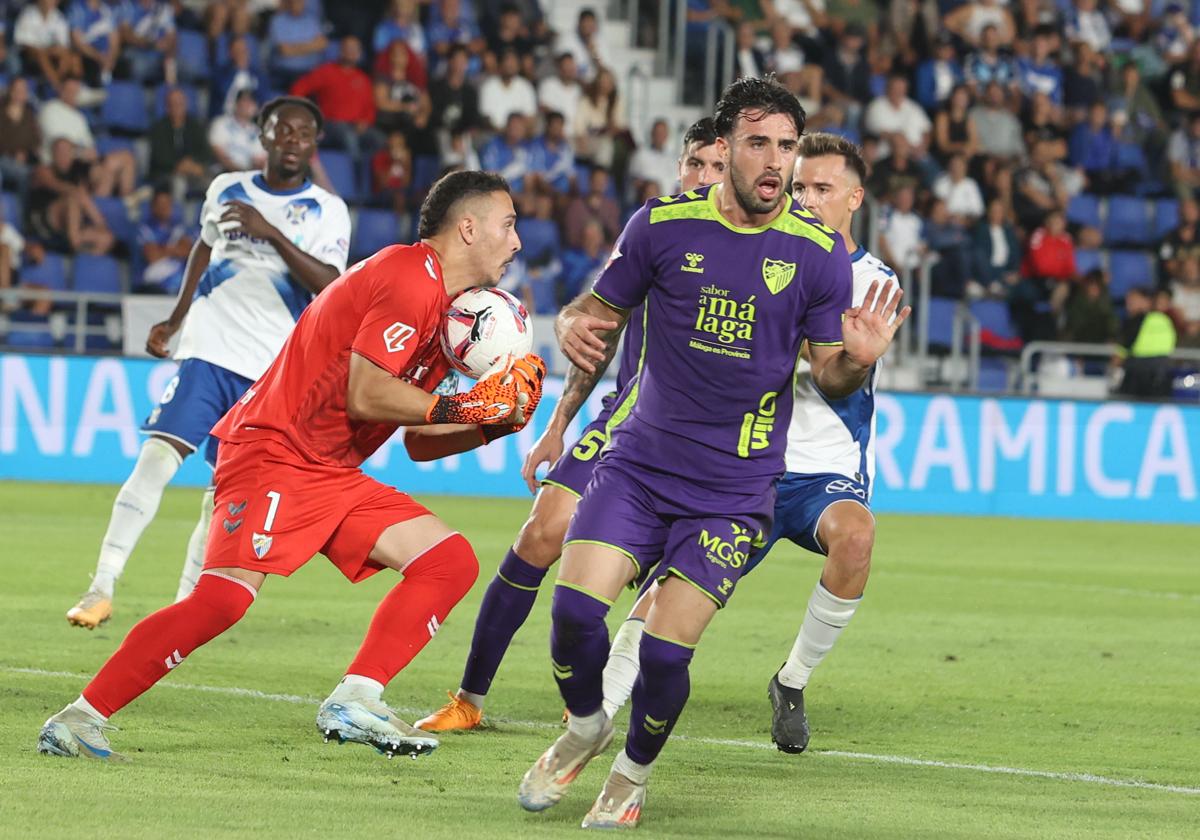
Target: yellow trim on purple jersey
{"x":637,"y":567}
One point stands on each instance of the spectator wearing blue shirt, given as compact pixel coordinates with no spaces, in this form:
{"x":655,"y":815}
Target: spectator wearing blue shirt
{"x":938,"y":76}
{"x":238,"y":75}
{"x":148,"y":39}
{"x":582,"y":264}
{"x":507,"y":154}
{"x":1039,"y":72}
{"x":164,"y":243}
{"x":450,"y":23}
{"x":297,"y":42}
{"x":540,"y":247}
{"x":988,"y":64}
{"x":551,"y":160}
{"x":401,"y":24}
{"x":94,"y":36}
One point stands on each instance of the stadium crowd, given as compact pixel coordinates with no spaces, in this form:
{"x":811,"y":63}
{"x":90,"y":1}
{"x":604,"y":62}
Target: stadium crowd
{"x":1047,"y":152}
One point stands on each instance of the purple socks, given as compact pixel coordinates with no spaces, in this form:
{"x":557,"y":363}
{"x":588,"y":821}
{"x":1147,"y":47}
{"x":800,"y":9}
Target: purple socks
{"x":659,"y":695}
{"x":579,"y":648}
{"x":506,"y":605}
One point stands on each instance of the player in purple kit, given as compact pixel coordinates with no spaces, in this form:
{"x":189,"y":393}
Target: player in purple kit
{"x":733,"y":277}
{"x":511,"y":594}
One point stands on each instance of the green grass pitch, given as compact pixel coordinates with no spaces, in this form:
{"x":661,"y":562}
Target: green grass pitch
{"x":1039,"y":662}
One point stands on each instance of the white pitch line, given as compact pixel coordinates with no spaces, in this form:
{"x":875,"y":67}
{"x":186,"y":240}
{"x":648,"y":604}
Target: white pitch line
{"x":1088,"y":778}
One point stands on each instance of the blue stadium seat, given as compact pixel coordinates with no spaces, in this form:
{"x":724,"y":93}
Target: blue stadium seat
{"x":160,"y":100}
{"x":106,"y":144}
{"x":191,"y":54}
{"x":425,"y":172}
{"x":375,"y":229}
{"x":939,"y":322}
{"x":1128,"y":221}
{"x":124,"y":108}
{"x":1087,"y":259}
{"x":1084,"y":209}
{"x":993,"y":316}
{"x":96,"y":273}
{"x":1166,"y":216}
{"x":341,"y":174}
{"x":113,"y":211}
{"x":1128,"y":270}
{"x":12,"y":209}
{"x":993,"y":374}
{"x":39,"y":339}
{"x":50,"y":272}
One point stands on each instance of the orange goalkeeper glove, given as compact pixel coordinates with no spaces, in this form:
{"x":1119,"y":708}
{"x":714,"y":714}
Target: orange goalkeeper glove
{"x":494,"y":399}
{"x":527,"y":373}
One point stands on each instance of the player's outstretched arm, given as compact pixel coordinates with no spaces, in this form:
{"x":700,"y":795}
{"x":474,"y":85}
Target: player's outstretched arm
{"x":313,"y":274}
{"x":160,"y":333}
{"x":867,"y":332}
{"x":588,"y":331}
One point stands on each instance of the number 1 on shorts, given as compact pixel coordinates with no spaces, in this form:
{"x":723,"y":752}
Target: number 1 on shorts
{"x":274,"y":497}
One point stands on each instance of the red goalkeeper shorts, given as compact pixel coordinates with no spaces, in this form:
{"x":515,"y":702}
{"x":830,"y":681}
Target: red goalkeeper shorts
{"x":273,"y":511}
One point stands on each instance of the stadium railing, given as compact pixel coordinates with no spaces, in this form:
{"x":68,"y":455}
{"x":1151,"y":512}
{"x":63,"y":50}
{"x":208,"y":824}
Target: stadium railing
{"x":1029,"y":381}
{"x":59,"y":324}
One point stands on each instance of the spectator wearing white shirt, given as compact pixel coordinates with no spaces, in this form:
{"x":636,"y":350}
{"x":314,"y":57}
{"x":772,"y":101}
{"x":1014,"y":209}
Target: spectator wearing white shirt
{"x":507,"y":93}
{"x":1183,"y":153}
{"x":61,"y":119}
{"x":895,"y":113}
{"x":44,"y":39}
{"x":655,"y":162}
{"x":235,"y":137}
{"x":12,"y":245}
{"x":586,"y":45}
{"x":562,"y":91}
{"x":900,"y":231}
{"x":1087,"y":23}
{"x":1186,"y":293}
{"x":964,"y":200}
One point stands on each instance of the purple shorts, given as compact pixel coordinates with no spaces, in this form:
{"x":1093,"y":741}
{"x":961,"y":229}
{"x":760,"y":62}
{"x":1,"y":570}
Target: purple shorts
{"x":574,"y":469}
{"x":665,"y":525}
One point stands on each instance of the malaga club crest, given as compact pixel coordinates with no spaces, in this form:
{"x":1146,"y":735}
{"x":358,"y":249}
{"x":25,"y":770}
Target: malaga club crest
{"x":777,"y":274}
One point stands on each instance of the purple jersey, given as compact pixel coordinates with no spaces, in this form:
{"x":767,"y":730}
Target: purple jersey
{"x":726,"y":311}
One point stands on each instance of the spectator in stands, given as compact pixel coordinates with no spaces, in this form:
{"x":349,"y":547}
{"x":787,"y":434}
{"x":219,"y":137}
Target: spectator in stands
{"x":596,"y":203}
{"x":1186,"y":288}
{"x":454,"y":97}
{"x":1050,"y":257}
{"x":95,"y":38}
{"x":946,"y":237}
{"x":785,"y":58}
{"x":541,"y":246}
{"x":238,"y":75}
{"x":937,"y":77}
{"x":507,"y":154}
{"x":1131,"y":95}
{"x":179,"y":150}
{"x":580,"y":265}
{"x":1183,"y":242}
{"x":391,"y":173}
{"x":896,"y":171}
{"x":401,"y":24}
{"x":998,"y":130}
{"x":234,"y":138}
{"x":510,"y":33}
{"x":562,"y":91}
{"x":1089,"y":316}
{"x":1085,"y":23}
{"x":1039,"y":71}
{"x":586,"y":45}
{"x":449,"y":24}
{"x":551,"y":159}
{"x":508,"y":92}
{"x":457,"y":151}
{"x":657,"y":161}
{"x":847,"y":76}
{"x":1183,"y":80}
{"x":1043,"y":120}
{"x":164,"y":242}
{"x":1183,"y":154}
{"x":12,"y":246}
{"x":297,"y":43}
{"x":996,"y":251}
{"x":1175,"y":32}
{"x":62,"y":214}
{"x":900,"y":230}
{"x":236,"y":16}
{"x":1164,"y":302}
{"x":1093,"y":148}
{"x":748,"y":60}
{"x":401,"y":104}
{"x":61,"y":118}
{"x":44,"y":40}
{"x":148,"y":40}
{"x":988,"y":64}
{"x":954,"y":128}
{"x":970,"y":20}
{"x":1043,"y":186}
{"x":20,"y":137}
{"x":1083,"y":82}
{"x":345,"y":95}
{"x":964,"y":200}
{"x":1145,"y":345}
{"x":894,"y":113}
{"x":599,"y":121}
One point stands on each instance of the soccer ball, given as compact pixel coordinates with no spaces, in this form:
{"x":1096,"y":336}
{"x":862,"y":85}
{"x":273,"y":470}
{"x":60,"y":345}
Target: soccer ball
{"x":482,"y":328}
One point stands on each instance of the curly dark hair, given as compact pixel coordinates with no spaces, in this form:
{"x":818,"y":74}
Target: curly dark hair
{"x":702,"y":132}
{"x":280,"y":101}
{"x":449,"y":191}
{"x":822,"y":144}
{"x":751,"y":94}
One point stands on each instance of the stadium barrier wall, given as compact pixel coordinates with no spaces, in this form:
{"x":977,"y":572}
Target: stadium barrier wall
{"x":76,"y":419}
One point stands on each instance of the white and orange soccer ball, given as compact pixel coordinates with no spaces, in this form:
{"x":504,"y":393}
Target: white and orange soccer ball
{"x":483,"y":328}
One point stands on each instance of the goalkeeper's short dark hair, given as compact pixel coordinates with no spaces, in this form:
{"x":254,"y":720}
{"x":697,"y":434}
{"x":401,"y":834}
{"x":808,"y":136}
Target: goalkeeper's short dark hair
{"x":753,"y":94}
{"x":445,"y":195}
{"x":281,"y":101}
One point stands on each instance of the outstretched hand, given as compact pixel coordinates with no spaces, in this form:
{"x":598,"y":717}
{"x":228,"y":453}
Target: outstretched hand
{"x":868,"y":330}
{"x":581,"y":341}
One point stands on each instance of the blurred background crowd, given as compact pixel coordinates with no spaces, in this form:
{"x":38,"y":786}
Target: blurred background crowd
{"x":1040,"y":154}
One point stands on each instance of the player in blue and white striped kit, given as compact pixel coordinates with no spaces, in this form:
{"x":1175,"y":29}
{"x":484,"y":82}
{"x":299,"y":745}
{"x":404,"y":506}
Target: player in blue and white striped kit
{"x":269,"y":241}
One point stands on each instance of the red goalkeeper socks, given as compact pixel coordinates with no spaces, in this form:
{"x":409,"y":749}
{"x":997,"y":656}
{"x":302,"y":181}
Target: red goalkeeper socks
{"x":161,"y":640}
{"x":409,"y":615}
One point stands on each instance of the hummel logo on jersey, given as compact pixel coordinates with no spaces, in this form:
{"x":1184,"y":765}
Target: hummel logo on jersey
{"x":432,"y":626}
{"x":234,"y":510}
{"x":231,"y":526}
{"x":395,"y":336}
{"x":174,"y":660}
{"x":693,"y":263}
{"x":844,"y":485}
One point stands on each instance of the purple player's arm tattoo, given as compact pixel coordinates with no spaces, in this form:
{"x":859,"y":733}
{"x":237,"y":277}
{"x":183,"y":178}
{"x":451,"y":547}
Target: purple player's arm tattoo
{"x":579,"y":383}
